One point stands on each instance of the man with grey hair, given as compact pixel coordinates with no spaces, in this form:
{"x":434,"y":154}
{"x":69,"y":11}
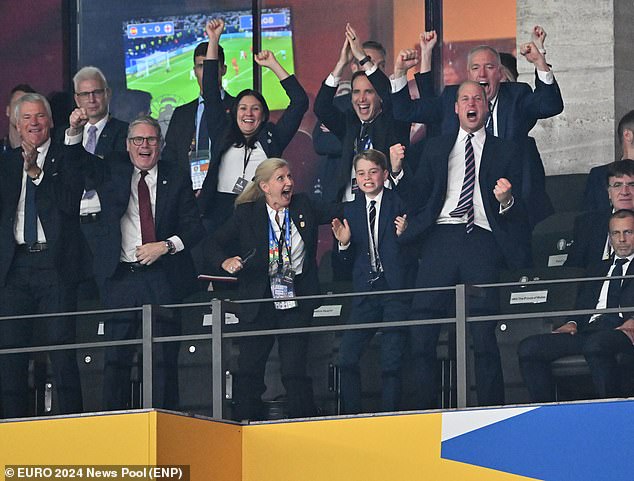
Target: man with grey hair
{"x":151,"y":222}
{"x":40,"y":190}
{"x":99,"y":132}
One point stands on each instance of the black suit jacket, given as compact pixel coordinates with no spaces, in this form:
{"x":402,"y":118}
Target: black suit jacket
{"x":57,"y":199}
{"x":274,"y":138}
{"x":182,"y":129}
{"x":384,"y":130}
{"x":428,"y":190}
{"x":175,"y":214}
{"x":394,"y":257}
{"x":248,"y":228}
{"x":588,"y":296}
{"x":589,"y":235}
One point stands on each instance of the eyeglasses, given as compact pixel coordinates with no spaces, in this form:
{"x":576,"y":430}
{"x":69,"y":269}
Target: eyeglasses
{"x":138,"y":141}
{"x":96,"y":93}
{"x":620,"y":185}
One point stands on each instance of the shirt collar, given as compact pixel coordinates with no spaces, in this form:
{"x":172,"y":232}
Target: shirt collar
{"x":100,"y":125}
{"x":152,"y":173}
{"x":378,"y":199}
{"x":478,"y":134}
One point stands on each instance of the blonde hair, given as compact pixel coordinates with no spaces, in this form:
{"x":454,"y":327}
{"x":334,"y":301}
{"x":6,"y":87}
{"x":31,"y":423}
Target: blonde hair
{"x":263,"y":173}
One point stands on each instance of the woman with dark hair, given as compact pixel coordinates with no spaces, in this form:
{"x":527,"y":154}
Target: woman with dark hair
{"x":270,"y":244}
{"x":244,"y":138}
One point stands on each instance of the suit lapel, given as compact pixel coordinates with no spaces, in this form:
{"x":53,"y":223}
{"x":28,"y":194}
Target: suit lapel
{"x":163,"y":189}
{"x":502,"y":112}
{"x":384,"y":214}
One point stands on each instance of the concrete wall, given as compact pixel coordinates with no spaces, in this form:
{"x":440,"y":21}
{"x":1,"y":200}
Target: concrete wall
{"x":581,"y":48}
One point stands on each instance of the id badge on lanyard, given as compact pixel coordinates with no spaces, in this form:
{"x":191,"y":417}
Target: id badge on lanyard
{"x":281,"y":274}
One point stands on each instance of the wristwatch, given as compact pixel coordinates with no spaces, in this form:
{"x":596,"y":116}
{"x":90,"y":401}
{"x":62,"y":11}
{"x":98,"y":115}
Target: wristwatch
{"x":171,"y":248}
{"x":364,"y":60}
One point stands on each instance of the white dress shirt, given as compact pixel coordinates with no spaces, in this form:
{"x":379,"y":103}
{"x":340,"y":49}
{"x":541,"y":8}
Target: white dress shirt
{"x":298,"y":248}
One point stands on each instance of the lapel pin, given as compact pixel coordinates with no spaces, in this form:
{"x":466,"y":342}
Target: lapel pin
{"x":164,"y":181}
{"x":302,"y":224}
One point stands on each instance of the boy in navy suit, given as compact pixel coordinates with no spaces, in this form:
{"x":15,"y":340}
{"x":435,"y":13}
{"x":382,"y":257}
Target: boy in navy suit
{"x":379,"y":265}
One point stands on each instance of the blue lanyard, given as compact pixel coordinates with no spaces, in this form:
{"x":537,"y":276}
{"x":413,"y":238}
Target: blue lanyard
{"x":277,"y":244}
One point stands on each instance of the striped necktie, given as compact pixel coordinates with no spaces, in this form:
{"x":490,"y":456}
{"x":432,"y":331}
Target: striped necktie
{"x":465,"y":203}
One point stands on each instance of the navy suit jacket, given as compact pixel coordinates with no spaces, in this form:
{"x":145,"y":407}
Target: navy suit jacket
{"x":394,"y":257}
{"x":384,"y":130}
{"x":248,"y":228}
{"x":182,"y":129}
{"x":57,"y":199}
{"x":519,"y":107}
{"x":588,"y":296}
{"x":589,"y":235}
{"x":175,"y":214}
{"x":595,"y":196}
{"x":274,"y":137}
{"x":428,"y":190}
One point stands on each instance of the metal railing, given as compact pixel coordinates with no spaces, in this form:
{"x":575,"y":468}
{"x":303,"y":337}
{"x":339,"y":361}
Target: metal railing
{"x":220,"y":308}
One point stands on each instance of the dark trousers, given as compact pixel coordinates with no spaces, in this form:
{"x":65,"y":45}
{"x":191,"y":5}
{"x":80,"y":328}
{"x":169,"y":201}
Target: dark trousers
{"x":450,"y":256}
{"x":129,"y":288}
{"x":353,"y":343}
{"x":254,"y":352}
{"x":33,"y":287}
{"x":599,"y":344}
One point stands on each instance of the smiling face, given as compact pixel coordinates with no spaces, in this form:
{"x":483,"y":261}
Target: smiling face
{"x":622,"y":235}
{"x":278,"y":190}
{"x":484,"y":69}
{"x":249,"y":115}
{"x":33,"y":123}
{"x":93,"y":96}
{"x":471,"y":106}
{"x":370,"y":177}
{"x":365,"y":101}
{"x":144,"y":156}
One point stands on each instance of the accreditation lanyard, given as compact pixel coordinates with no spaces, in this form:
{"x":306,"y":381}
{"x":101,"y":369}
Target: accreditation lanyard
{"x":276,"y":245}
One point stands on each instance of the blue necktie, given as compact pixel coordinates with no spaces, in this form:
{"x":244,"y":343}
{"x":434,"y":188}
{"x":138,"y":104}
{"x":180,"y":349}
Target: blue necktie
{"x":30,"y":213}
{"x":489,"y":125}
{"x":465,"y":203}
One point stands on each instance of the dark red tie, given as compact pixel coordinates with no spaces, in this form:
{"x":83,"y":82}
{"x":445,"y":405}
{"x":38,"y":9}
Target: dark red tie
{"x":145,"y":211}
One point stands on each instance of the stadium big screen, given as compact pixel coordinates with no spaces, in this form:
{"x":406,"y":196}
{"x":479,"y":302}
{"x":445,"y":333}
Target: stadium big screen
{"x":158,"y":54}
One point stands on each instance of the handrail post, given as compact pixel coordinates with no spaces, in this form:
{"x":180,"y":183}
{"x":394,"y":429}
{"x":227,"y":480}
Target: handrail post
{"x":461,"y":346}
{"x":217,"y":321}
{"x":149,"y":315}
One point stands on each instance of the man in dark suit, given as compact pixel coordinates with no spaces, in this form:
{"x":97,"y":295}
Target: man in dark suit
{"x":187,"y":133}
{"x":594,"y":194}
{"x":599,"y":337}
{"x":40,"y":189}
{"x":469,"y":225}
{"x":150,"y":222}
{"x":591,"y":243}
{"x":279,"y":232}
{"x":370,"y":123}
{"x":514,"y":107}
{"x":379,"y":264}
{"x":99,"y":133}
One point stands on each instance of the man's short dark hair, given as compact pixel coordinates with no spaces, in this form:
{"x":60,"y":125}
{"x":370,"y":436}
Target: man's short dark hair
{"x":26,"y":88}
{"x":622,"y":214}
{"x":626,"y":122}
{"x":355,"y":75}
{"x":375,"y":156}
{"x":374,"y":45}
{"x":620,"y":168}
{"x":201,"y":51}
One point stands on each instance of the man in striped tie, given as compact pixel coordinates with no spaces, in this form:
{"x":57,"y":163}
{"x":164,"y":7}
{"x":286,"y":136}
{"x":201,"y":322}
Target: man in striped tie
{"x":469,"y":226}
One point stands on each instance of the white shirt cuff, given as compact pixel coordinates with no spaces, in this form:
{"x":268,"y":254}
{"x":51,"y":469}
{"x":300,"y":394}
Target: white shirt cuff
{"x":398,"y":83}
{"x":342,"y":247}
{"x":372,"y":69}
{"x":72,"y":139}
{"x":547,"y":77}
{"x":332,"y":81}
{"x":178,"y":243}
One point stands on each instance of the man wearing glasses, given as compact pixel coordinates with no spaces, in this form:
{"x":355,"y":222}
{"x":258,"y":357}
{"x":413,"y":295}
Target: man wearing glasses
{"x":591,"y":244}
{"x":150,"y":224}
{"x":100,"y":133}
